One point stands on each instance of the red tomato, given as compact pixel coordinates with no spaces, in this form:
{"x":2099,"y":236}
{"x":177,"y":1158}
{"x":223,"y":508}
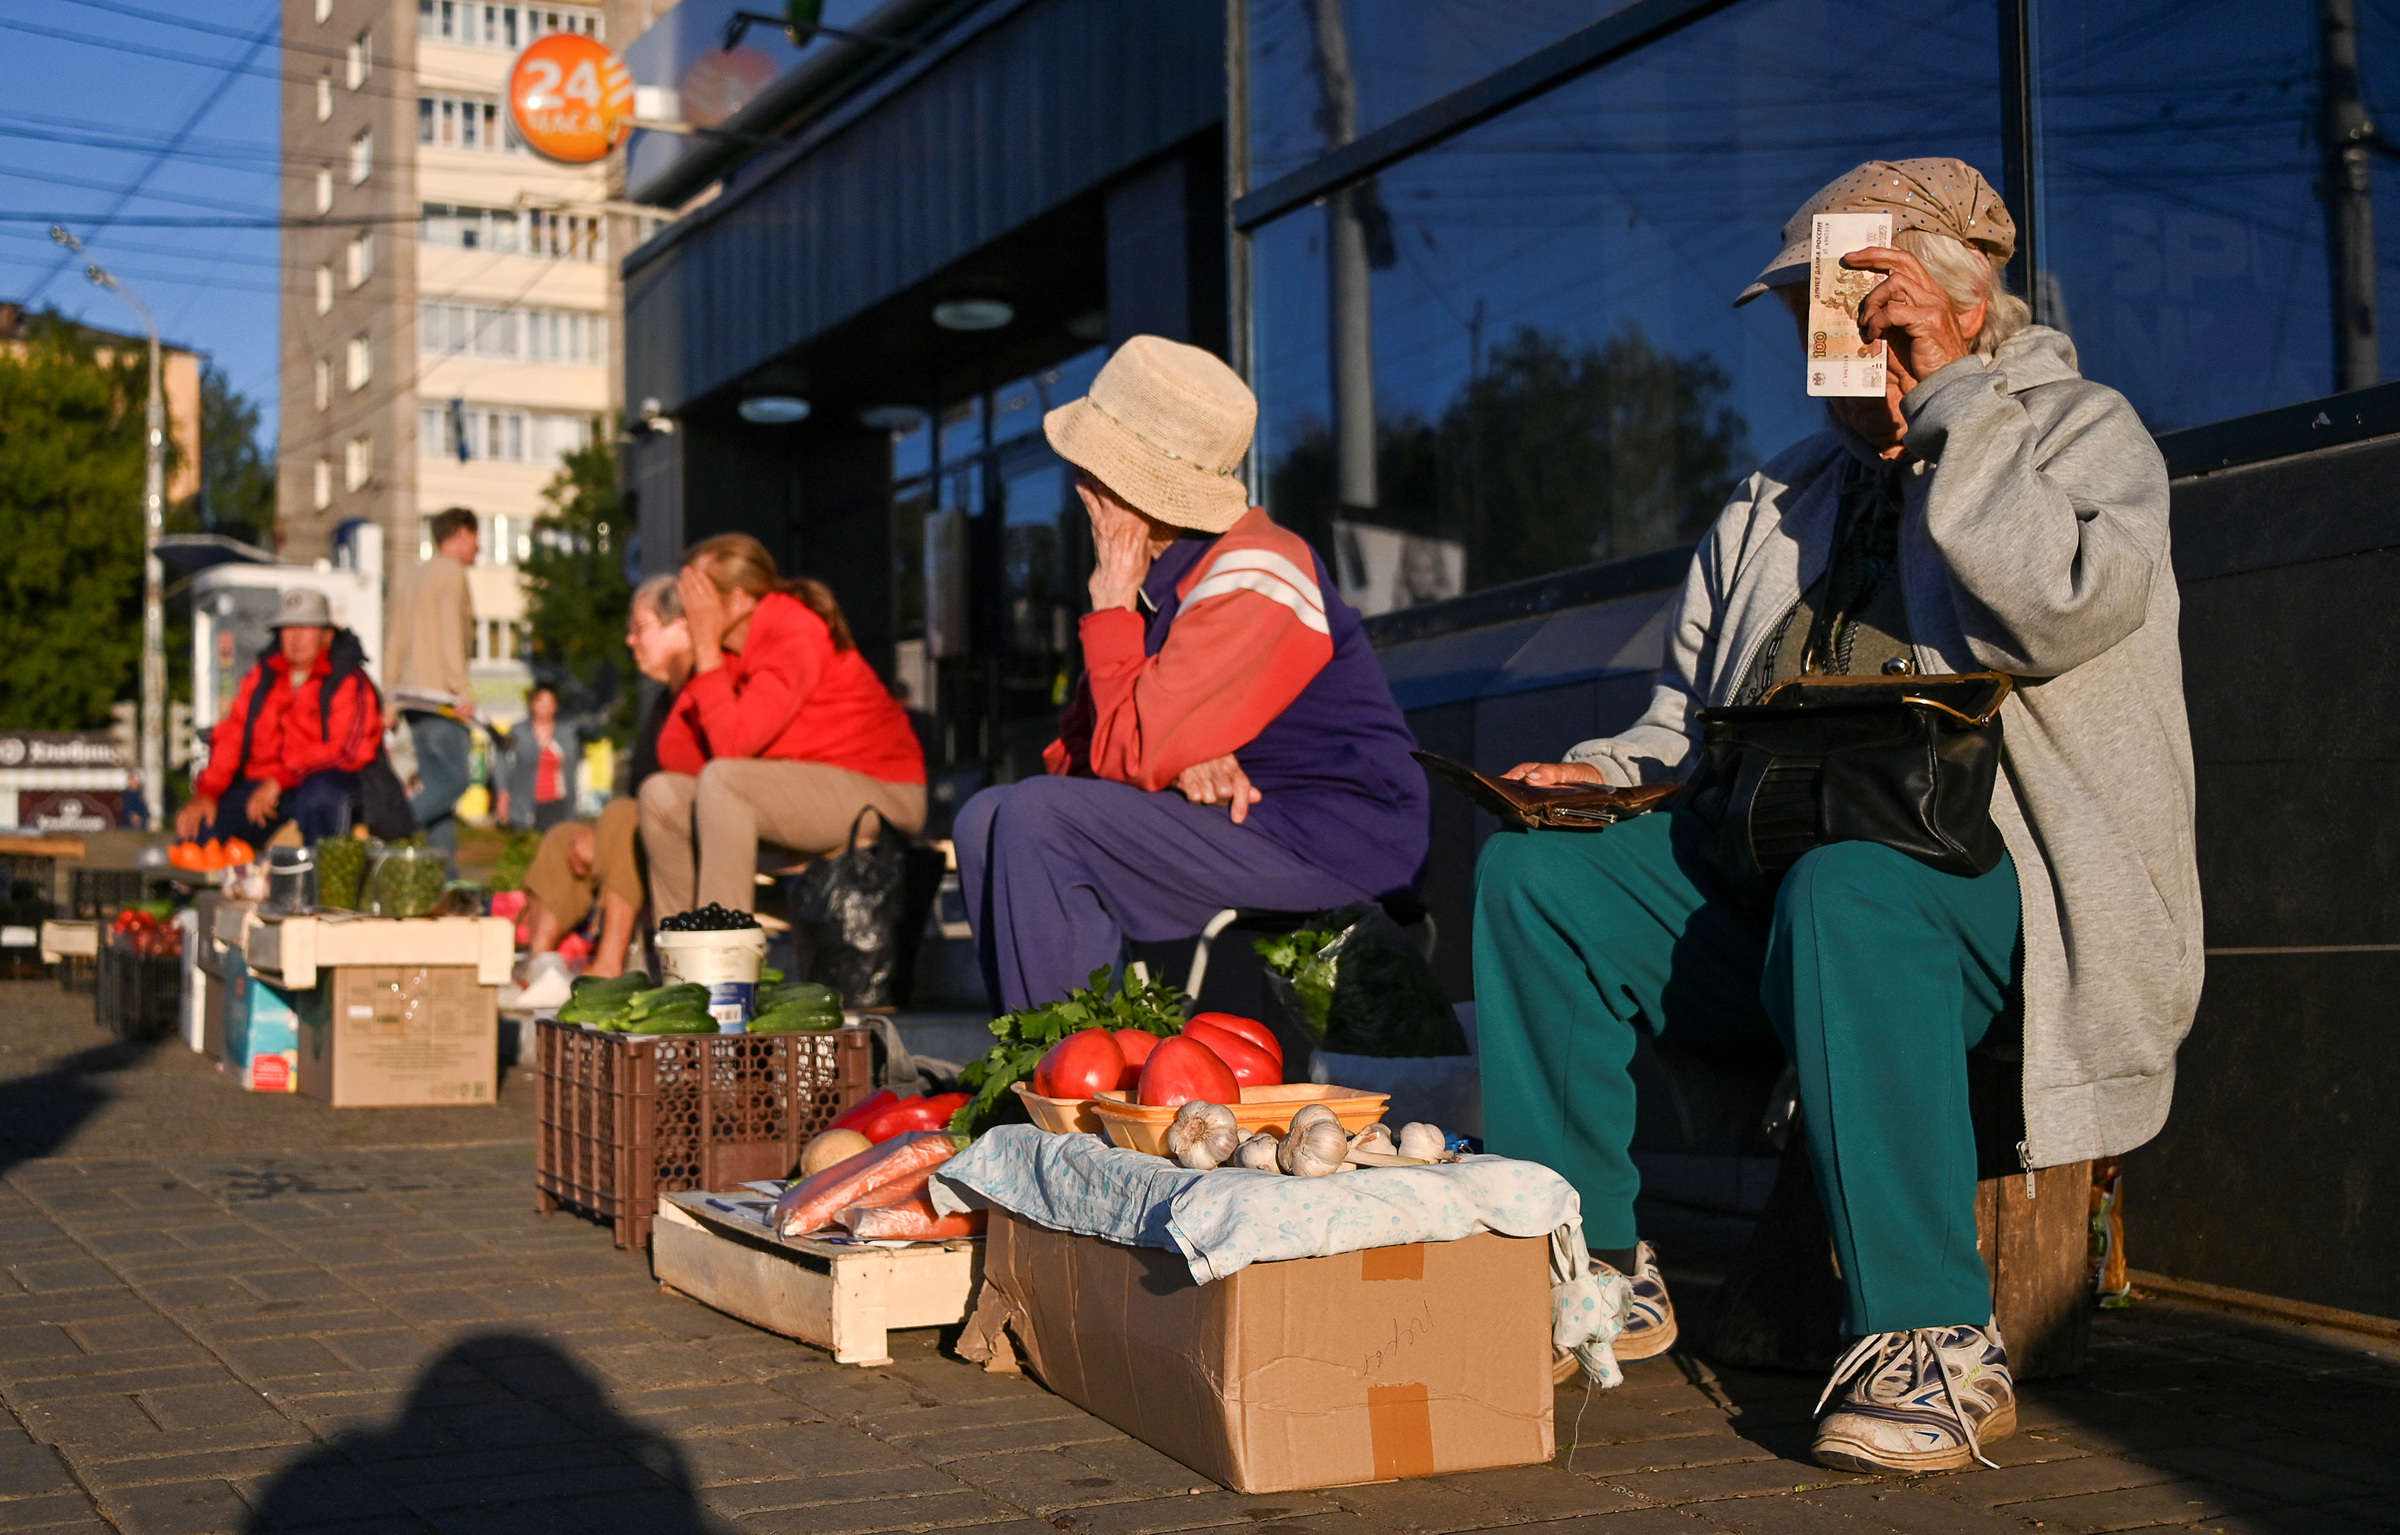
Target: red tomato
{"x":1182,"y":1070}
{"x":1249,"y":1028}
{"x":1082,"y":1064}
{"x":1252,"y":1067}
{"x":1137,"y":1045}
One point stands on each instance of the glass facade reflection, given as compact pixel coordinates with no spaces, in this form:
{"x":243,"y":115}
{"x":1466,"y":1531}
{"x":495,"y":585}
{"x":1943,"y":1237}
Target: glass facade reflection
{"x":1536,"y":363}
{"x":1513,"y":352}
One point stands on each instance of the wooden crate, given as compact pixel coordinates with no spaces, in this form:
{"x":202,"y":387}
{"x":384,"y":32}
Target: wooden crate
{"x":845,"y":1297}
{"x":620,"y":1119}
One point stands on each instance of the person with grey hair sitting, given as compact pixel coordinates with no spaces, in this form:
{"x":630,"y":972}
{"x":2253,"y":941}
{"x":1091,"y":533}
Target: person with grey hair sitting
{"x":1991,"y":511}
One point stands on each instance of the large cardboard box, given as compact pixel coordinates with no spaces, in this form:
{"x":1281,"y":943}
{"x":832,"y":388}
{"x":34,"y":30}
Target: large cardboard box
{"x":1319,"y":1372}
{"x":395,"y":1036}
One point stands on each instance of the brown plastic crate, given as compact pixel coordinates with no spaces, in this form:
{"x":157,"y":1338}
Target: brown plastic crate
{"x":623,"y":1118}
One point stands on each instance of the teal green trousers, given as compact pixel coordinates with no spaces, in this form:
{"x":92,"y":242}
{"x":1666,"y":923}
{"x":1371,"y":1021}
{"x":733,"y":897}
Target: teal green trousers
{"x":1877,"y":973}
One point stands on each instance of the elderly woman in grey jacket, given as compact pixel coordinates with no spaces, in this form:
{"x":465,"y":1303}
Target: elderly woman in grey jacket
{"x":1995,"y":511}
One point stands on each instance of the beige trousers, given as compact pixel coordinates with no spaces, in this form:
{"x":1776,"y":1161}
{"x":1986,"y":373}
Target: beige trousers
{"x":702,"y":834}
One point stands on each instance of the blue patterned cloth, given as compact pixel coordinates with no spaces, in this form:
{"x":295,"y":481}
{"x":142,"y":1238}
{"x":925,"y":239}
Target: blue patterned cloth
{"x":1224,"y":1220}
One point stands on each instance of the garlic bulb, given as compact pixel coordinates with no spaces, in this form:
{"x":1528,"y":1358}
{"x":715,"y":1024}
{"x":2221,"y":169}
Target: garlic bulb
{"x":1257,"y":1153}
{"x":1376,"y":1137}
{"x":1204,"y":1135}
{"x":1316,"y":1145}
{"x":1423,"y":1141}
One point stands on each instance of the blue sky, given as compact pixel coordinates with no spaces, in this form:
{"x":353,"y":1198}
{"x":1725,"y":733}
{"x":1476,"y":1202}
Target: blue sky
{"x":94,"y":119}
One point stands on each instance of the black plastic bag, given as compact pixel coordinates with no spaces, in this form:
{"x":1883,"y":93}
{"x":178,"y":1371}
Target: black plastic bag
{"x":856,"y":912}
{"x":1359,"y":987}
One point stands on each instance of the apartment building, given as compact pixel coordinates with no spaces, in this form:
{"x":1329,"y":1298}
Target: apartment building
{"x":452,"y":333}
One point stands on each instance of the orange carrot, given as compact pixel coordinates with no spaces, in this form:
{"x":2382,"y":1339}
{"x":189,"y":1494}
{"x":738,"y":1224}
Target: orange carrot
{"x":815,"y":1202}
{"x":910,"y":1220}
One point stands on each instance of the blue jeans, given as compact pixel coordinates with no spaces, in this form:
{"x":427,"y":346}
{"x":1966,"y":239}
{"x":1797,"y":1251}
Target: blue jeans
{"x":445,"y":751}
{"x":1059,"y":872}
{"x":323,"y":804}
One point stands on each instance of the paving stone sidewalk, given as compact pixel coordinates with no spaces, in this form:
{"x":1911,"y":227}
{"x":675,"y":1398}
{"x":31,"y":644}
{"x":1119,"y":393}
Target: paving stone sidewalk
{"x":221,"y":1313}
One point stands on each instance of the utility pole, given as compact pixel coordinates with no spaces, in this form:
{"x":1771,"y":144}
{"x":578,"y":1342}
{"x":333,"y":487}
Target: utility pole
{"x":1349,"y":295}
{"x":154,"y":522}
{"x":2348,"y":139}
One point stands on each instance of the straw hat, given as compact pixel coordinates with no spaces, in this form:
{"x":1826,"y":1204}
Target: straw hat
{"x":1165,"y":427}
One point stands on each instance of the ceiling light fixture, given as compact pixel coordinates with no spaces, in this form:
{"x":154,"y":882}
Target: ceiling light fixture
{"x":891,"y":418}
{"x":774,"y":409}
{"x":971,"y":314}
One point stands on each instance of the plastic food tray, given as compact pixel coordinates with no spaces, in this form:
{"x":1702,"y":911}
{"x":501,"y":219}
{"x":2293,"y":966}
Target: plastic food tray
{"x":1059,"y":1116}
{"x":1140,"y":1128}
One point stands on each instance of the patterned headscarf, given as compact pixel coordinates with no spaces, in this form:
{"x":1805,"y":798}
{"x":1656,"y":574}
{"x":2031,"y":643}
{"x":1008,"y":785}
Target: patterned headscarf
{"x":1948,"y":197}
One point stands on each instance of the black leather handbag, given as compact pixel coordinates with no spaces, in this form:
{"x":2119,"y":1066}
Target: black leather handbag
{"x":1906,"y":761}
{"x":857,"y":914}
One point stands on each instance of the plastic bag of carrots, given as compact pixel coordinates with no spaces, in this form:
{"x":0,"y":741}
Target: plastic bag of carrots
{"x":895,"y":1169}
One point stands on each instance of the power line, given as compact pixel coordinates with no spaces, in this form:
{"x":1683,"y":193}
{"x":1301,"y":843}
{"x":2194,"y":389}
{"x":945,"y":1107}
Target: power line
{"x":191,"y":121}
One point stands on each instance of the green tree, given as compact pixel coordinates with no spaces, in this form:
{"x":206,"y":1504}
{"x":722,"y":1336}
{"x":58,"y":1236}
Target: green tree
{"x":576,"y":593}
{"x":71,"y":526}
{"x":237,"y":475}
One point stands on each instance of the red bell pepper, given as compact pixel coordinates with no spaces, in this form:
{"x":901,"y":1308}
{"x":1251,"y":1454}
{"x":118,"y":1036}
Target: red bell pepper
{"x":868,"y":1107}
{"x":912,"y":1114}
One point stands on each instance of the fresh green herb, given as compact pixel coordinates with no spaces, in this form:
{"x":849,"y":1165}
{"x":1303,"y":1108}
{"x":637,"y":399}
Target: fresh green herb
{"x":1154,"y":1007}
{"x":1299,"y":958}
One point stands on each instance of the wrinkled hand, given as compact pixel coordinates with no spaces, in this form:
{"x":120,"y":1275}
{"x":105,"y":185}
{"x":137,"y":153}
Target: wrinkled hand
{"x":1121,"y":550}
{"x":1910,"y":310}
{"x":1219,"y":781}
{"x":196,"y":813}
{"x":704,"y":615}
{"x":262,"y":801}
{"x":1545,"y":775}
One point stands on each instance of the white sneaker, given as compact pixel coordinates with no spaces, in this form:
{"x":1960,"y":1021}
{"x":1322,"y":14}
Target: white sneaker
{"x":1924,"y":1400}
{"x":1649,"y":1323}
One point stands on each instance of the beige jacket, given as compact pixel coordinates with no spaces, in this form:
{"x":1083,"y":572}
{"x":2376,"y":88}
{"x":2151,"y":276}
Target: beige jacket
{"x":430,"y":636}
{"x":2034,"y":543}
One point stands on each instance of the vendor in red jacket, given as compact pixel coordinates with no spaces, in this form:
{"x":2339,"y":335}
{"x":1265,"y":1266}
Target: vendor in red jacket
{"x":292,"y":743}
{"x":784,"y":733}
{"x":1233,"y":742}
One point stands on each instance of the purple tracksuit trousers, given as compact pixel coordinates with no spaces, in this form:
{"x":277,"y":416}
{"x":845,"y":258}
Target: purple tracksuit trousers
{"x":1058,"y":872}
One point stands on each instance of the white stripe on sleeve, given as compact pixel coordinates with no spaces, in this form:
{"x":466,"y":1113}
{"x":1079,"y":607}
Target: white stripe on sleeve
{"x":1271,"y":563}
{"x":1271,"y":587}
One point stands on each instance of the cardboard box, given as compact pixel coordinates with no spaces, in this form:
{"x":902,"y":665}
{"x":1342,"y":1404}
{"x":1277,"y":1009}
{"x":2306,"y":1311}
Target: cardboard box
{"x":295,"y":949}
{"x":262,"y":1030}
{"x":1319,"y":1372}
{"x":391,"y":1036}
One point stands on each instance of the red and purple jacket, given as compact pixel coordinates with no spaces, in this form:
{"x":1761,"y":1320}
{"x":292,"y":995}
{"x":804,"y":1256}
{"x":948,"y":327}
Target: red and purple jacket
{"x":1247,"y":648}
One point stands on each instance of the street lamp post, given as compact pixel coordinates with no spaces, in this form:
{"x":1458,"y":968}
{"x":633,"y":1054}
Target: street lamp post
{"x":154,"y":521}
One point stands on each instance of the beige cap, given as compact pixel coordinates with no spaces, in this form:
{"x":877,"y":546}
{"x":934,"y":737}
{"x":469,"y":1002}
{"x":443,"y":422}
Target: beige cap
{"x":1948,"y":197}
{"x":303,"y":608}
{"x":1165,"y":427}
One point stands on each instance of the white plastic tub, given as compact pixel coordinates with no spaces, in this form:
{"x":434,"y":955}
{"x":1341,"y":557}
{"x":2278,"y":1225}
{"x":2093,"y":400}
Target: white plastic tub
{"x":727,"y":963}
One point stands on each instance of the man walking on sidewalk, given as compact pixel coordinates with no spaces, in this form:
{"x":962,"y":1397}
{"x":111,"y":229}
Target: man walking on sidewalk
{"x":425,"y":661}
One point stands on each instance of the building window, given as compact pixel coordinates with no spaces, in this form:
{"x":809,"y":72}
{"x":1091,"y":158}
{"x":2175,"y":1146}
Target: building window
{"x":358,"y":462}
{"x":324,"y":189}
{"x":324,"y":287}
{"x":467,"y":330}
{"x":323,"y":369}
{"x":463,"y":122}
{"x":501,"y":435}
{"x":361,"y":358}
{"x":321,"y":492}
{"x":359,"y":60}
{"x":565,"y":335}
{"x":362,"y":155}
{"x":543,"y":232}
{"x":324,"y":95}
{"x":361,"y":257}
{"x":575,"y":237}
{"x":502,"y":28}
{"x":494,"y":229}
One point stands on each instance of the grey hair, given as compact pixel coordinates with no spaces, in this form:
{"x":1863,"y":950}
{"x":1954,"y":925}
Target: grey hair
{"x":1969,"y":276}
{"x":660,"y":595}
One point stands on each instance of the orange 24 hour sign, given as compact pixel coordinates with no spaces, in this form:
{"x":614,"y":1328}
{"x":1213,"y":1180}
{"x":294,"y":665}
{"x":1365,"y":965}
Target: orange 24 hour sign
{"x":570,"y":98}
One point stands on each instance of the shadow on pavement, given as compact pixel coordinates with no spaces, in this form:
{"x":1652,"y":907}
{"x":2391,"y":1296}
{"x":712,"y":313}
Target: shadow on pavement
{"x":501,"y":1432}
{"x":39,"y":1113}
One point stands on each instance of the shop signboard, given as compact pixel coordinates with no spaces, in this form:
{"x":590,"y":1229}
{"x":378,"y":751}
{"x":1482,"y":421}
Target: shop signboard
{"x":63,"y":780}
{"x":52,"y":811}
{"x":570,"y":98}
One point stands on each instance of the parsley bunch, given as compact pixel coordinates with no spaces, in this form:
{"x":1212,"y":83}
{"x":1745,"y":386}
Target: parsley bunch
{"x":1154,"y":1007}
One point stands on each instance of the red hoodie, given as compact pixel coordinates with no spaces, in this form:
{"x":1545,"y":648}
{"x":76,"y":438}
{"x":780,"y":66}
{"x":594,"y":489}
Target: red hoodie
{"x":788,"y":694}
{"x":296,"y":735}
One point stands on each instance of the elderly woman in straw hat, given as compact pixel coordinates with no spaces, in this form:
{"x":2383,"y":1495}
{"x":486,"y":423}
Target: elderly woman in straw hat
{"x":1992,"y":511}
{"x":1232,"y":741}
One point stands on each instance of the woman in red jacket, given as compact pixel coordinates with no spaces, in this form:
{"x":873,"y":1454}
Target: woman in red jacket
{"x":783,"y":734}
{"x":292,"y":743}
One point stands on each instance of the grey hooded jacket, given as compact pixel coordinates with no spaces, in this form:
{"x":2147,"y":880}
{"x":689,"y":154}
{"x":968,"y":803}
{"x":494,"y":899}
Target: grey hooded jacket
{"x":2034,"y":542}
